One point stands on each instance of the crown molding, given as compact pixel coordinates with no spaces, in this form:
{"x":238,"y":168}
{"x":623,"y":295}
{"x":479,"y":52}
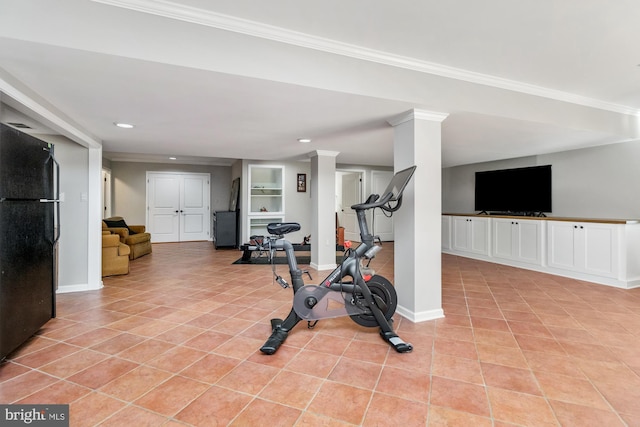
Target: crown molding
{"x":323,"y":153}
{"x":162,"y":159}
{"x":208,"y":18}
{"x":416,"y":114}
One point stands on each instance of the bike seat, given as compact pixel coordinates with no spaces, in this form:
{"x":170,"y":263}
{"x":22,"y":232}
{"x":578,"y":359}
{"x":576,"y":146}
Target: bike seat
{"x":280,"y":228}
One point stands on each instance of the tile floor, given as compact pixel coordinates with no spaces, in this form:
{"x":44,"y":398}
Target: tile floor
{"x":175,"y":343}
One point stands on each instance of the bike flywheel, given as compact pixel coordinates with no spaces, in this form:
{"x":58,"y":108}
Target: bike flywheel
{"x":384,"y":294}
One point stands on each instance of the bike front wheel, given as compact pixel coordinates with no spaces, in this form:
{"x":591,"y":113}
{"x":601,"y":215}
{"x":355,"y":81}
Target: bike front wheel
{"x":386,"y":299}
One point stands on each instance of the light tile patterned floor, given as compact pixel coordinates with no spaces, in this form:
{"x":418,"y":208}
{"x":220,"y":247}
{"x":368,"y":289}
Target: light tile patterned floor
{"x":176,"y":343}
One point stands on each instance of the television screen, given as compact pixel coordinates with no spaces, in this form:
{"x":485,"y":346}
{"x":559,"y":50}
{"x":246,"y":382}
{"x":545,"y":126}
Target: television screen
{"x":522,"y":191}
{"x":398,"y":182}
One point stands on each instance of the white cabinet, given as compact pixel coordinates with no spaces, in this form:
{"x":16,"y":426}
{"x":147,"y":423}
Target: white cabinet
{"x":584,"y":247}
{"x":470,"y":234}
{"x":606,"y":251}
{"x":517,"y":240}
{"x":446,"y":232}
{"x":265,"y":197}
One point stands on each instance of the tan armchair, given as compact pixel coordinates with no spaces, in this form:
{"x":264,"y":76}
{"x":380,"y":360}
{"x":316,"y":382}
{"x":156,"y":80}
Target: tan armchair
{"x":115,"y":255}
{"x":134,"y":236}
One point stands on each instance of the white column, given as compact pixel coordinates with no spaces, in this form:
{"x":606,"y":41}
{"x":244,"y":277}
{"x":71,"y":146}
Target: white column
{"x":94,"y":206}
{"x":323,"y":210}
{"x":418,"y":259}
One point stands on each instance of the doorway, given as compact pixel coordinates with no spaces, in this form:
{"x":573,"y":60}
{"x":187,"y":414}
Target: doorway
{"x":178,"y":206}
{"x":349,"y":188}
{"x":106,"y":193}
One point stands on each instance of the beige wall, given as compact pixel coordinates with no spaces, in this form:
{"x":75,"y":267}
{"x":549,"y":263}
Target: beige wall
{"x":129,"y":186}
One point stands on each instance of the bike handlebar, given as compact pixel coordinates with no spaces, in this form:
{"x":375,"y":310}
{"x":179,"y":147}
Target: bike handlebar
{"x":393,"y":192}
{"x":373,"y":202}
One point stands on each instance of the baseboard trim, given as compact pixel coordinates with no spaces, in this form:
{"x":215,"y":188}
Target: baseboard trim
{"x":422,"y":316}
{"x":323,"y":266}
{"x":78,"y":288}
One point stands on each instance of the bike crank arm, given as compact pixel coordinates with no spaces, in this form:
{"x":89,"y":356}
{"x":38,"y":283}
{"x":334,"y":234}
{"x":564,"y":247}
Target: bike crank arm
{"x":313,"y":302}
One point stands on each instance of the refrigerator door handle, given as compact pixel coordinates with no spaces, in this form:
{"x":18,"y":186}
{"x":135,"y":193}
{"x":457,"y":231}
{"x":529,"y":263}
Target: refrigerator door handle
{"x":56,"y":200}
{"x":57,"y":217}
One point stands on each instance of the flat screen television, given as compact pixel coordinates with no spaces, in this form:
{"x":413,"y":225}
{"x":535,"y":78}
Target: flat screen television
{"x":521,"y":191}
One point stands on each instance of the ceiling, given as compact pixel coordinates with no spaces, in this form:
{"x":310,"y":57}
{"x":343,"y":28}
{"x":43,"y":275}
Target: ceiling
{"x":211,"y":82}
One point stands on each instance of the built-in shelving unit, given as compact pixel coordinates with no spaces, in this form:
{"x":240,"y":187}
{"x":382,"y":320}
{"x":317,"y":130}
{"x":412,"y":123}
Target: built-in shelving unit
{"x":266,"y":197}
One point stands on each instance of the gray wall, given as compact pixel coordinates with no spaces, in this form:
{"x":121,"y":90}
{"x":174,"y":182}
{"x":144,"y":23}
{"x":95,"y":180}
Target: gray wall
{"x":598,"y":182}
{"x":129,"y":186}
{"x":73,"y":257}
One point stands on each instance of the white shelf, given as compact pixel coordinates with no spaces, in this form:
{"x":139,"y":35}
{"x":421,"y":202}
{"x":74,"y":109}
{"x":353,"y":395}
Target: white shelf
{"x":266,"y":197}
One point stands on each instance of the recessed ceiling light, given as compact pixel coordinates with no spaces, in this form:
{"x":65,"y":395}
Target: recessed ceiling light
{"x":304,"y":140}
{"x":173,"y":158}
{"x":124,"y":125}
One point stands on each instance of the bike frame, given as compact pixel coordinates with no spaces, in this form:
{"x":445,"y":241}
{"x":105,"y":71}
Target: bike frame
{"x":348,"y":267}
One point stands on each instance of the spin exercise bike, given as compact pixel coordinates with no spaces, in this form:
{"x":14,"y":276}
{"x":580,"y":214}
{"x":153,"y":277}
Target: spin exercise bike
{"x":370,"y":300}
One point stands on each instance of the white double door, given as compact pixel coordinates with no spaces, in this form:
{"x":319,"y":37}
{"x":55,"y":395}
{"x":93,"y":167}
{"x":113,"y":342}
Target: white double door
{"x":178,"y":206}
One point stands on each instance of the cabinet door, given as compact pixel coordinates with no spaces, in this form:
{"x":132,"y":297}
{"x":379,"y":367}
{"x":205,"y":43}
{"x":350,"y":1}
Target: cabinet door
{"x":585,"y":247}
{"x":503,"y":238}
{"x":471,"y":234}
{"x":480,"y":235}
{"x":518,"y":240}
{"x":561,"y":245}
{"x":528,"y":243}
{"x":598,"y":248}
{"x":461,"y":231}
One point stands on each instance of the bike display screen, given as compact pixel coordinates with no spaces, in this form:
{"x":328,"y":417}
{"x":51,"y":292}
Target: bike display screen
{"x":398,"y":183}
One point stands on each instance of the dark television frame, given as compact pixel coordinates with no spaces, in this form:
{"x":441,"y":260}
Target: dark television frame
{"x":516,"y":191}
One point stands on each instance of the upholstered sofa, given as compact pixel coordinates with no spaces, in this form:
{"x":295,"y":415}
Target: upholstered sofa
{"x":115,"y":255}
{"x":134,"y":236}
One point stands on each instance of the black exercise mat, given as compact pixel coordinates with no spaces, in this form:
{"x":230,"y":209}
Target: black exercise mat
{"x":263,"y":260}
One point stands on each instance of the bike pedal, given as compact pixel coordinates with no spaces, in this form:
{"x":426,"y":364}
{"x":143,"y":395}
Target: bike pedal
{"x":396,"y":342}
{"x":275,"y":323}
{"x":282,"y":282}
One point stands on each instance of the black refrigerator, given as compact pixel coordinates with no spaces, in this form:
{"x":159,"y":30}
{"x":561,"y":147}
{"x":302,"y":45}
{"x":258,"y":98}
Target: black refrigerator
{"x":29,"y":231}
